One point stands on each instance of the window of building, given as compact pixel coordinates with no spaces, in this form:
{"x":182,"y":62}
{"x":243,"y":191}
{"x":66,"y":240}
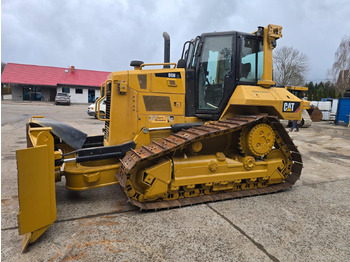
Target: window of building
{"x":65,"y":90}
{"x":91,"y":95}
{"x":32,"y":93}
{"x":78,"y":90}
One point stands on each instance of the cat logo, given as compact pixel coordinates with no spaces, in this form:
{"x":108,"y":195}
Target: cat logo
{"x":291,"y":107}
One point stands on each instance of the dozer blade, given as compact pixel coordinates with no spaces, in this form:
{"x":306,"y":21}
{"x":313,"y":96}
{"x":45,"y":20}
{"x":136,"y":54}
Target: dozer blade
{"x":70,"y":135}
{"x":36,"y":191}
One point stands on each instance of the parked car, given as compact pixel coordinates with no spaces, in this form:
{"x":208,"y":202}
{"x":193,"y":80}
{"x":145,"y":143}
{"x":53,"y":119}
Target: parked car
{"x":62,"y":98}
{"x":92,"y":109}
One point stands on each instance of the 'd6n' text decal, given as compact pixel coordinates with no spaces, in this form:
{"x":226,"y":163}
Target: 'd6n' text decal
{"x":291,"y":107}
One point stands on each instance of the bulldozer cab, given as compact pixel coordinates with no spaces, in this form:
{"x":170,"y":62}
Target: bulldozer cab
{"x":215,"y":64}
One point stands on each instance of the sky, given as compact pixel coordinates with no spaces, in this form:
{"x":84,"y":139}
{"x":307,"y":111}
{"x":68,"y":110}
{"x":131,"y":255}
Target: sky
{"x":107,"y":34}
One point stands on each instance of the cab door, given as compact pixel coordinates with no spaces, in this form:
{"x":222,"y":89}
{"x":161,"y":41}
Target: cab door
{"x":215,"y":75}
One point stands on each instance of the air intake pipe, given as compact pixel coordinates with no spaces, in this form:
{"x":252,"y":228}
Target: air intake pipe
{"x":166,"y":49}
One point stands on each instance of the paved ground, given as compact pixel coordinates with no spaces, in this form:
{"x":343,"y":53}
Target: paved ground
{"x":310,"y":222}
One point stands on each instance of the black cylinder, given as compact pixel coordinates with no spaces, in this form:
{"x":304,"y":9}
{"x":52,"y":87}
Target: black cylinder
{"x":166,"y":49}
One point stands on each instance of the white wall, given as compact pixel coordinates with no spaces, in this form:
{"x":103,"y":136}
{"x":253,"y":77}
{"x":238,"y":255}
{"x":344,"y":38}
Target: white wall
{"x":17,"y":93}
{"x":79,"y":98}
{"x":97,"y":93}
{"x":7,"y":97}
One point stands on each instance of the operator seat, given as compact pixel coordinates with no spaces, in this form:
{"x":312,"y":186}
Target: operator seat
{"x":246,"y":69}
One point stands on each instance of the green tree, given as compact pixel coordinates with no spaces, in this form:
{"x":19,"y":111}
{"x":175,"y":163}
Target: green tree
{"x":311,"y":91}
{"x":321,"y":90}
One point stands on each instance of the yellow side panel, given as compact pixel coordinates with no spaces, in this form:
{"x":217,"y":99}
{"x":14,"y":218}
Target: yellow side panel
{"x":275,"y":98}
{"x":36,"y":189}
{"x":123,"y":112}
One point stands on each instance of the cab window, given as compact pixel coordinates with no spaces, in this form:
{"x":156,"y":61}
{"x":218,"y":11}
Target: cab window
{"x":251,"y":59}
{"x":215,"y":64}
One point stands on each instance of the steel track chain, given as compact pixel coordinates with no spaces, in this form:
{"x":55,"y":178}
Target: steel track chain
{"x":167,"y":146}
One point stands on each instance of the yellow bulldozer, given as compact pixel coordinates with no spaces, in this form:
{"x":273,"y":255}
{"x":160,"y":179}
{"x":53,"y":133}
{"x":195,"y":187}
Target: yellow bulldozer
{"x":203,"y":129}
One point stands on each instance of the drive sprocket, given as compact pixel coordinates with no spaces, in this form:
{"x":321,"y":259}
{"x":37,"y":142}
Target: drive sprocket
{"x":257,"y":141}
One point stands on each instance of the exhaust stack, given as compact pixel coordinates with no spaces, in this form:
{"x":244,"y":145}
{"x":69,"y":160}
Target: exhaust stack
{"x":166,"y":49}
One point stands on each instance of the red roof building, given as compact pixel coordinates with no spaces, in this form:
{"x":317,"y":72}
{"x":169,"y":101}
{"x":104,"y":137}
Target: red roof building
{"x":33,"y":82}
